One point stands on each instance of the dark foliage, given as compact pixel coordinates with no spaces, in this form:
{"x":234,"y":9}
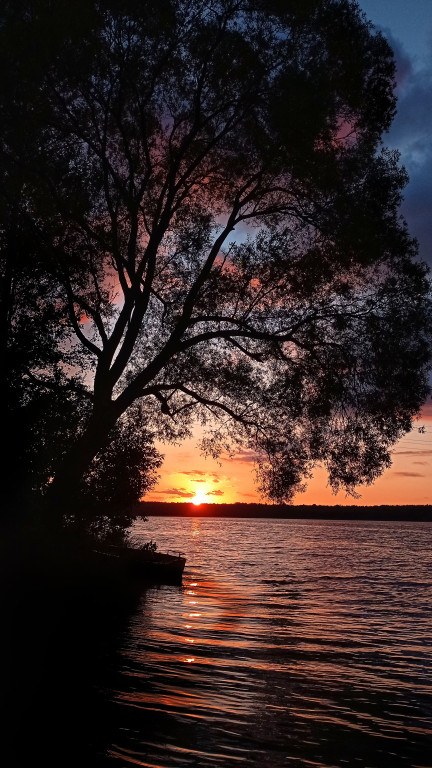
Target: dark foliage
{"x":209,"y":226}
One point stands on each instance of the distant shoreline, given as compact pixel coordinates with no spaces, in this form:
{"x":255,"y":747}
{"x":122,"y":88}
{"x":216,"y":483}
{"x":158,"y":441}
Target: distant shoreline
{"x":421,"y":513}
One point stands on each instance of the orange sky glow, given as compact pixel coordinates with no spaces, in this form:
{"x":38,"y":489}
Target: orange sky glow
{"x":187,"y":477}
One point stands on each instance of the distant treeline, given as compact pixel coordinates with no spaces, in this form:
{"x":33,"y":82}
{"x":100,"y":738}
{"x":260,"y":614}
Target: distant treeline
{"x":298,"y":512}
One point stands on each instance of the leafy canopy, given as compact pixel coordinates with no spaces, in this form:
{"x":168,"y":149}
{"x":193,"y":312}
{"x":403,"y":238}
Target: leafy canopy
{"x":218,"y":224}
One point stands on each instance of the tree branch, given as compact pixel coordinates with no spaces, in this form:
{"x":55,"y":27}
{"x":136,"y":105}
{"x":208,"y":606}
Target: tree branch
{"x":83,"y":339}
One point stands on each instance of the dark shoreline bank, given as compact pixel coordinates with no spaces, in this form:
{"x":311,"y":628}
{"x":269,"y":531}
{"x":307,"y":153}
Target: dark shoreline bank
{"x":63,"y":618}
{"x":416,"y":513}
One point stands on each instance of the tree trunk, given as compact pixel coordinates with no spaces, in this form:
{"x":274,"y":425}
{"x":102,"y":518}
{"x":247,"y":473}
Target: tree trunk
{"x":65,"y":492}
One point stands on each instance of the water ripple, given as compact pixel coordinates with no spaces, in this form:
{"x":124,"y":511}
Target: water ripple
{"x":290,"y":643}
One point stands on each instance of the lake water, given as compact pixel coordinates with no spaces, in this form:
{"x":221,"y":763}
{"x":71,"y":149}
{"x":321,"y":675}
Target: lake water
{"x":290,"y":643}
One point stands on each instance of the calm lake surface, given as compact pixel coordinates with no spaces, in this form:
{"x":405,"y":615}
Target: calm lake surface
{"x":290,"y":643}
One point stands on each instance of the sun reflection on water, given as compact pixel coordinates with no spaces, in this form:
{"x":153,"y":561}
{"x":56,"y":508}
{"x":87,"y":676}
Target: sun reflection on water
{"x":308,"y":635}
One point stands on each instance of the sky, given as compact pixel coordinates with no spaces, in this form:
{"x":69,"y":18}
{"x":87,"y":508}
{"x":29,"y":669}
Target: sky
{"x":185,"y":475}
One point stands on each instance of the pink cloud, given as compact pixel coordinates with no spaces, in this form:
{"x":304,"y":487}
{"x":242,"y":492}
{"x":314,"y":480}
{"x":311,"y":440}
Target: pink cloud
{"x":419,"y":452}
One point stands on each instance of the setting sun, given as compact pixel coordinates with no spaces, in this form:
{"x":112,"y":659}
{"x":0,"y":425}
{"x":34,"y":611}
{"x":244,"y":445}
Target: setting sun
{"x":200,"y":498}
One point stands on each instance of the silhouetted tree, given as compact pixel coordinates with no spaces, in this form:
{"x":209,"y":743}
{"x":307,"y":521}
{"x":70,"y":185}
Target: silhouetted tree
{"x":42,"y":375}
{"x":218,"y":225}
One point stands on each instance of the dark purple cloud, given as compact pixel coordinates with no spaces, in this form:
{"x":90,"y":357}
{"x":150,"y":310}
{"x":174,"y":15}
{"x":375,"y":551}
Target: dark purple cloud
{"x":411,"y":135}
{"x":403,"y":62}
